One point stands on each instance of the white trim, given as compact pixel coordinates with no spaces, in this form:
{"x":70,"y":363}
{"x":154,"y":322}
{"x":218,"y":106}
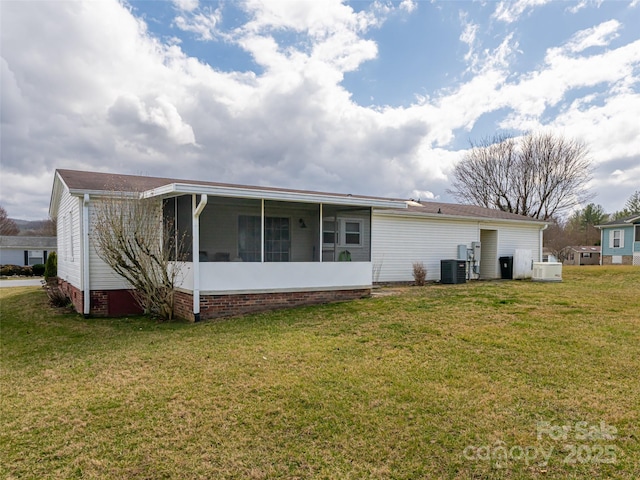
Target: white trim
{"x":438,"y":216}
{"x":281,"y":195}
{"x":86,"y":286}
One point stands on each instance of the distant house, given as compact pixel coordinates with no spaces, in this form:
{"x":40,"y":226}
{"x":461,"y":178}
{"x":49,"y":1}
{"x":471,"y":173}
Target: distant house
{"x":620,"y":240}
{"x":23,"y":251}
{"x":581,"y":255}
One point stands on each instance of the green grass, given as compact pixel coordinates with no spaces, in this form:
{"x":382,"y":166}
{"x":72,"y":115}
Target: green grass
{"x":388,"y":387}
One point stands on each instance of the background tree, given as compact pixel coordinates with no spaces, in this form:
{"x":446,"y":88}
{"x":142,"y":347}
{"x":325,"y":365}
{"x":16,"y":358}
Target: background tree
{"x":7,"y":225}
{"x":631,"y":207}
{"x":537,"y":175}
{"x":583,"y":223}
{"x":132,"y":237}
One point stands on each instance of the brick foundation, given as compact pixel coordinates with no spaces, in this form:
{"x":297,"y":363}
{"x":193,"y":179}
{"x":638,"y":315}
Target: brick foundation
{"x":115,"y":303}
{"x":104,"y":303}
{"x":626,"y":260}
{"x":219,"y":306}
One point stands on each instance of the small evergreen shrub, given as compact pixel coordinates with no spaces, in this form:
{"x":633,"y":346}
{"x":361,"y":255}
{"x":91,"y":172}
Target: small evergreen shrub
{"x":38,"y":269}
{"x":419,"y":273}
{"x":51,"y":267}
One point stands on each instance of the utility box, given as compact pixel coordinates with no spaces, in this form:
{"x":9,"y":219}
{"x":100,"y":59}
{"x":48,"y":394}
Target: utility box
{"x":475,"y":248}
{"x":462,"y":252}
{"x":453,"y":271}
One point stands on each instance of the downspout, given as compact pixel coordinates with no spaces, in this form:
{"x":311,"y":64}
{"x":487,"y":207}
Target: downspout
{"x":540,"y":255}
{"x":197,"y":210}
{"x":86,"y":287}
{"x":262,"y":230}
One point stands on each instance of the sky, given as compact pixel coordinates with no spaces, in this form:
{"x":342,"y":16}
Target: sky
{"x":375,"y":98}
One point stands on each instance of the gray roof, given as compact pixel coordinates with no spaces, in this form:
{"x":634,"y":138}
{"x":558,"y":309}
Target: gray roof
{"x":28,"y":243}
{"x":93,"y":181}
{"x":624,"y":221}
{"x":441,"y":209}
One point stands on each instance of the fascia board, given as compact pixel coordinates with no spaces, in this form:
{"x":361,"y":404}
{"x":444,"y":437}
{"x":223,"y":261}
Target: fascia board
{"x":278,"y":195}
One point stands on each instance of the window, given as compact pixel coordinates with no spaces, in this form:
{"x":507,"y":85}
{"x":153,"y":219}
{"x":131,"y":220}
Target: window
{"x":329,"y":231}
{"x":344,"y":231}
{"x":71,"y":235}
{"x":586,"y":255}
{"x":637,"y":233}
{"x":617,"y":239}
{"x":352,"y":232}
{"x":277,"y":238}
{"x":35,"y":257}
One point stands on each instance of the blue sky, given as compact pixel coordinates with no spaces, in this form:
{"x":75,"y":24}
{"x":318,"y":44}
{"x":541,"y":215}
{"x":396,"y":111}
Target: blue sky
{"x":378,"y":98}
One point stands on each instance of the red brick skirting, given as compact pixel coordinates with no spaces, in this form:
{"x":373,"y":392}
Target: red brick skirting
{"x":115,"y":303}
{"x":104,"y":303}
{"x":218,"y":306}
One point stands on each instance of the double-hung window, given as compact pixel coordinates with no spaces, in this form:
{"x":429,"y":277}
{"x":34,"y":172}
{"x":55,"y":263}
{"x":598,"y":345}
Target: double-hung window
{"x":343,"y":231}
{"x":35,"y":257}
{"x":617,"y":239}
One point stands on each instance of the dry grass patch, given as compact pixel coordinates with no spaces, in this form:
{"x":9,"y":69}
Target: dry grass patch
{"x":391,"y":387}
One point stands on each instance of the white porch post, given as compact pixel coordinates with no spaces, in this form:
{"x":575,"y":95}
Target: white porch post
{"x":195,"y":238}
{"x":262,"y":230}
{"x":320,"y":229}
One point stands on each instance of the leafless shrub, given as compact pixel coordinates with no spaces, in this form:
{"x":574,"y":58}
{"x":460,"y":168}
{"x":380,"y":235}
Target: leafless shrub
{"x":419,"y":273}
{"x":133,"y":238}
{"x":57,"y":297}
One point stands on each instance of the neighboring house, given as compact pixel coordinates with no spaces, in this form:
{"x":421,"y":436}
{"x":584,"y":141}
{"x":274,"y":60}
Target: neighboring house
{"x":429,"y":232}
{"x":260,"y":247}
{"x":581,"y":255}
{"x":620,"y":240}
{"x":23,"y":251}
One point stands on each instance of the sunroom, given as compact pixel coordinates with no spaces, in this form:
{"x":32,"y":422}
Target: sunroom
{"x":251,"y":248}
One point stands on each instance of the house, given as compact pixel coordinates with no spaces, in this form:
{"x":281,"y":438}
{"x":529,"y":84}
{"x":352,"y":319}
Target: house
{"x":581,"y":255}
{"x":255,"y":248}
{"x":429,"y":232}
{"x":620,"y":240}
{"x":25,"y":251}
{"x":249,"y":248}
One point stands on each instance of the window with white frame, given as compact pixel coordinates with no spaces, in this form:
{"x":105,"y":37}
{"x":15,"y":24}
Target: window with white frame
{"x":346,"y":231}
{"x":35,"y":257}
{"x":329,"y":231}
{"x":637,"y":233}
{"x":353,"y":232}
{"x":71,"y":235}
{"x":617,"y":239}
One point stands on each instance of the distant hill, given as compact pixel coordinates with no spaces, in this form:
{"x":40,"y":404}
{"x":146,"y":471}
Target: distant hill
{"x":35,"y":228}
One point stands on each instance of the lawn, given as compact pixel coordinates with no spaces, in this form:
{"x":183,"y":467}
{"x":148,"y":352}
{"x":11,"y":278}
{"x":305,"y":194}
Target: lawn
{"x":482,"y":380}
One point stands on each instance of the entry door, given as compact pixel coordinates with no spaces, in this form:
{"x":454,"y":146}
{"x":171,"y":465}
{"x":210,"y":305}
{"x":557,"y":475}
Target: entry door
{"x":489,"y":254}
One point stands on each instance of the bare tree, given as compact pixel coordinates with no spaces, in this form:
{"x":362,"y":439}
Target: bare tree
{"x":7,"y":225}
{"x":537,"y":175}
{"x":133,"y":238}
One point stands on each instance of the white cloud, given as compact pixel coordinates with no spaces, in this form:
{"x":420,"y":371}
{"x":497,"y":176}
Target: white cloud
{"x":202,"y":24}
{"x":408,"y":5}
{"x":598,"y":36}
{"x":510,"y":11}
{"x":92,"y":89}
{"x":185,"y":5}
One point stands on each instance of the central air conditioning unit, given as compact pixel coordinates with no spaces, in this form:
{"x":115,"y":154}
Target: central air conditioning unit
{"x":547,"y":272}
{"x":453,"y":271}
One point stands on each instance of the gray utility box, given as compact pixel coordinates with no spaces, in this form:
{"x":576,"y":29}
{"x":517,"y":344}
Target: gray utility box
{"x":453,"y":271}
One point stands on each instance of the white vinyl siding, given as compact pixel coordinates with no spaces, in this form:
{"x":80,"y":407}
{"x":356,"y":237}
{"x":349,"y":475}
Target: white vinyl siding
{"x":399,"y":241}
{"x":102,"y":277}
{"x":69,"y":221}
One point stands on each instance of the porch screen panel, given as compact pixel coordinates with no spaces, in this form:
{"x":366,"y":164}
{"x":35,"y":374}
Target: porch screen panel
{"x":249,"y":238}
{"x":277,"y":238}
